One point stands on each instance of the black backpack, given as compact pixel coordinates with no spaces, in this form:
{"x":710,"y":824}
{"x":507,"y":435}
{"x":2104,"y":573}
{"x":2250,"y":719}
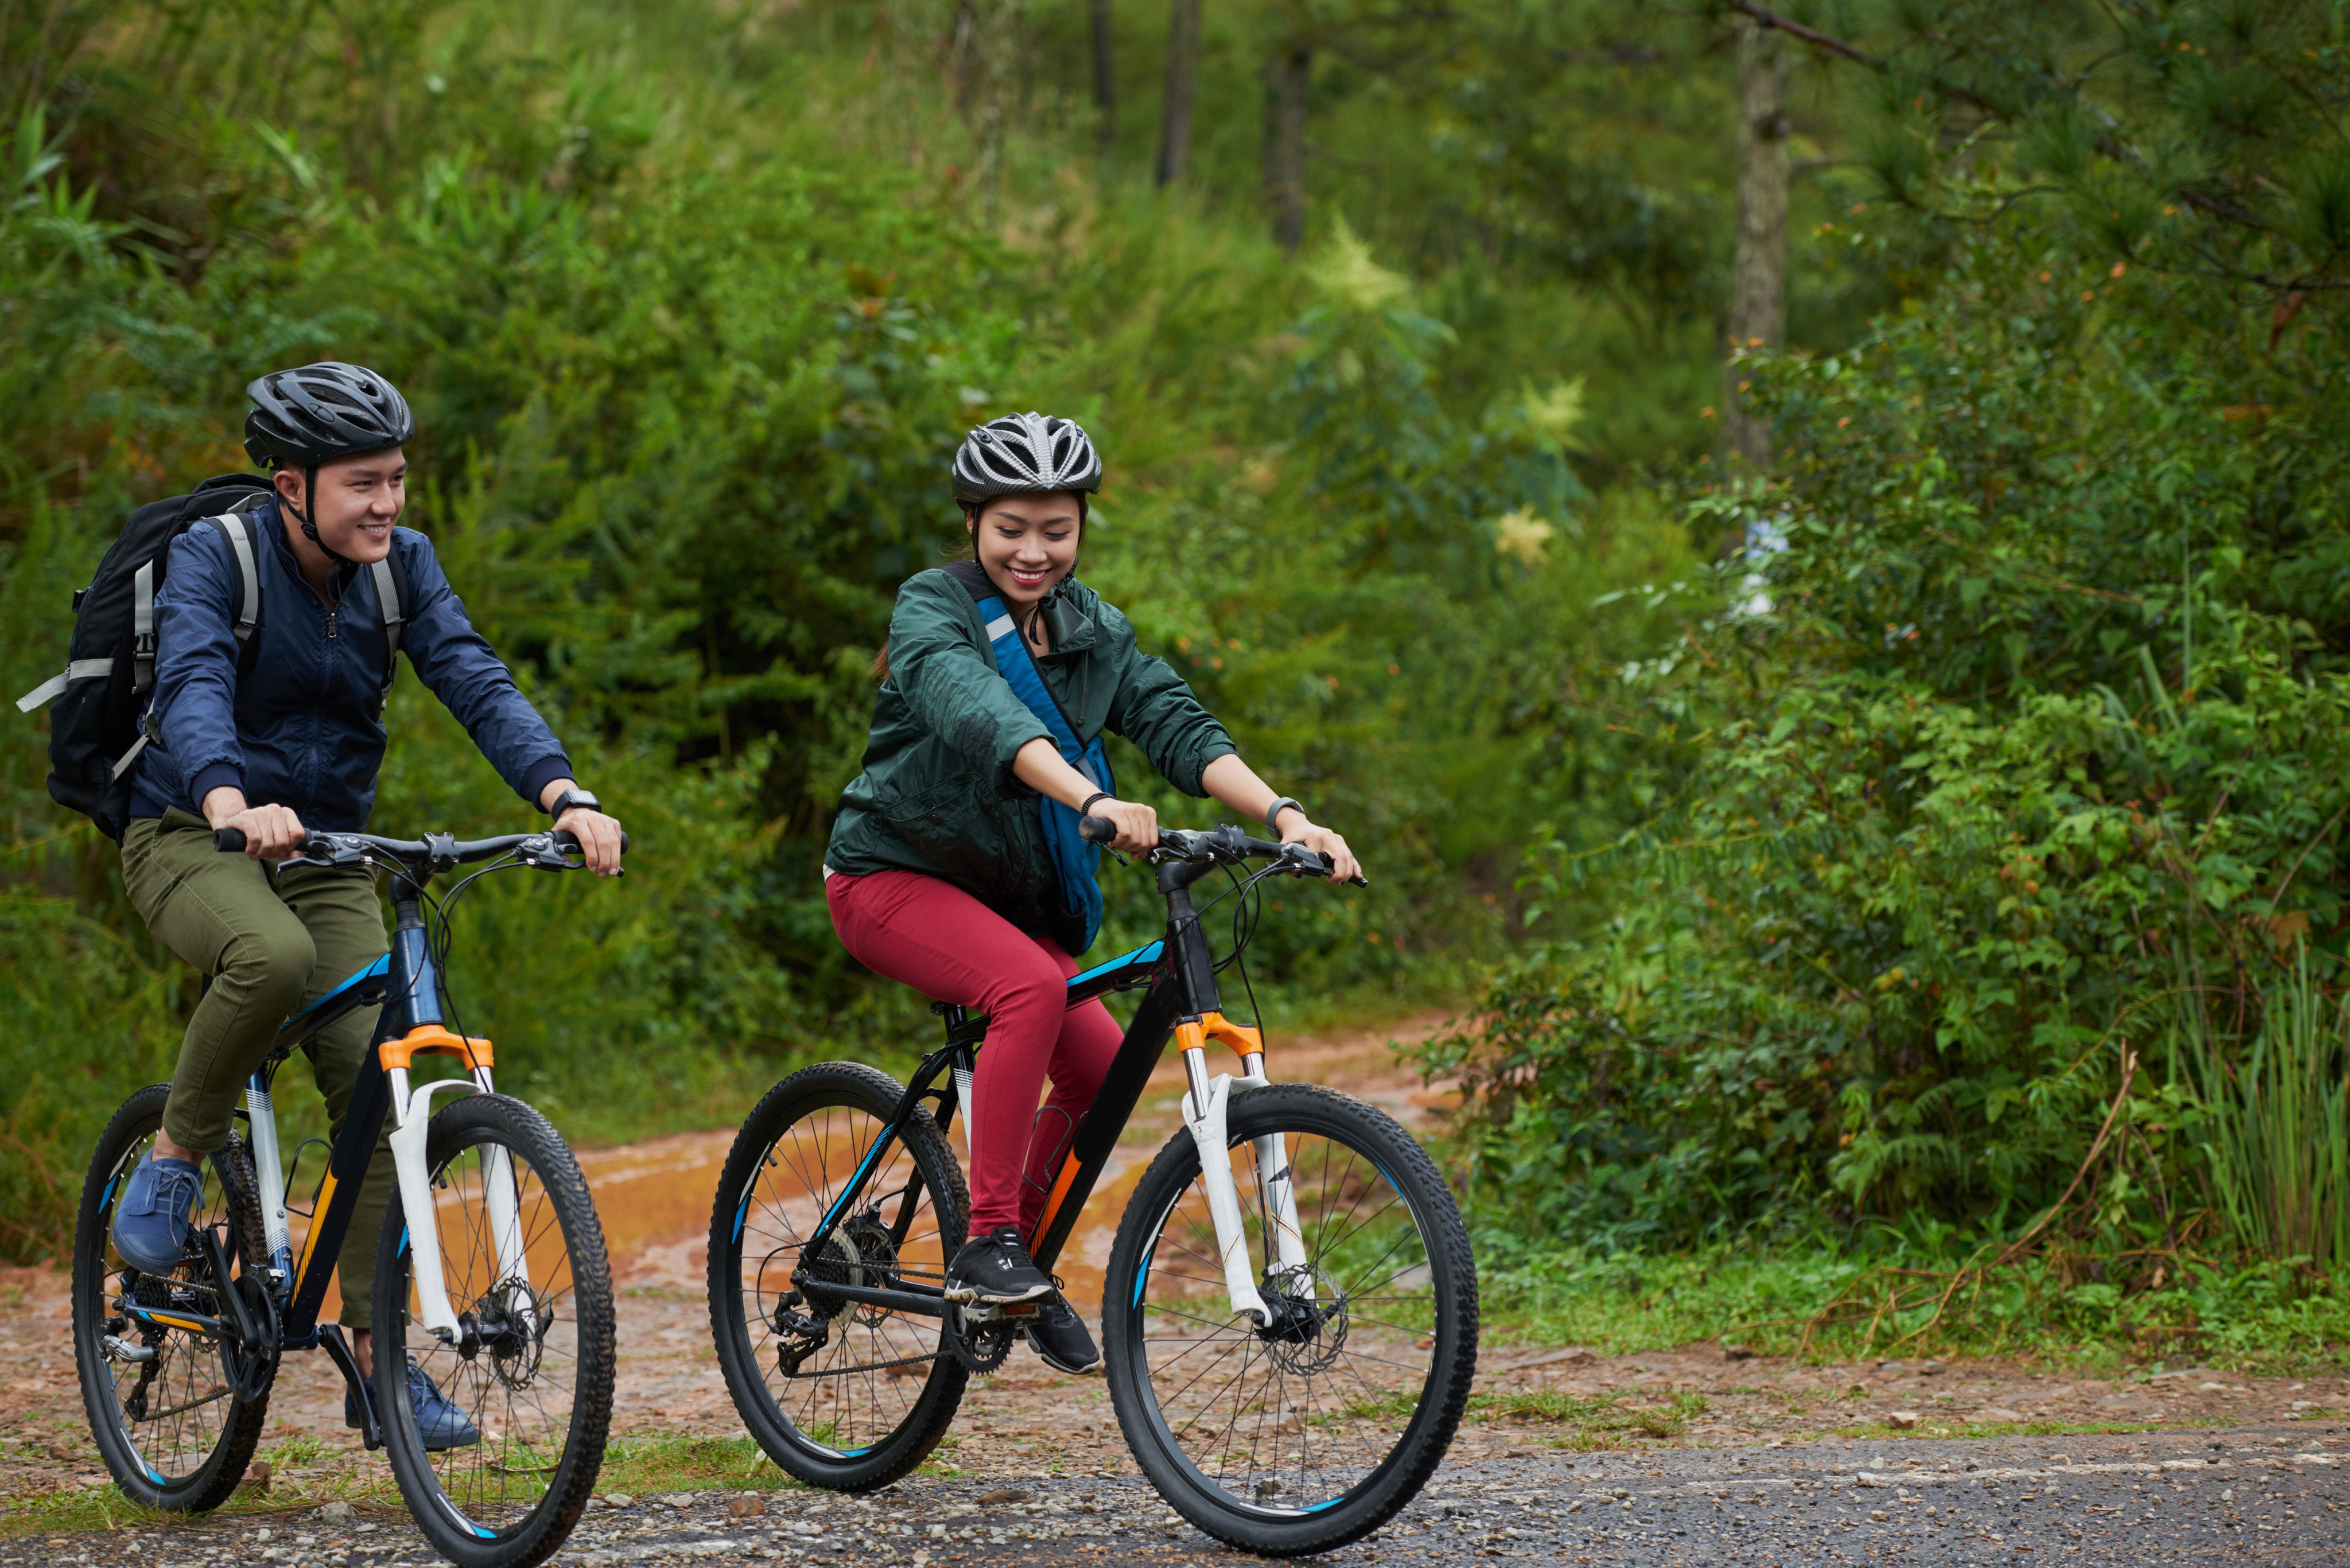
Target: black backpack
{"x":102,"y":720}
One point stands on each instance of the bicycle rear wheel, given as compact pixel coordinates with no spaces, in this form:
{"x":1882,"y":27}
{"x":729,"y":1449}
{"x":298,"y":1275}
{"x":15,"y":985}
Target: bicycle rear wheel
{"x":1310,"y":1432}
{"x":533,"y":1371}
{"x":855,"y":1397}
{"x":175,"y":1412}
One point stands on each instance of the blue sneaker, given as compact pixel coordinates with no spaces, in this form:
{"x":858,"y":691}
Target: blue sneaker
{"x":155,"y":1213}
{"x":439,"y":1422}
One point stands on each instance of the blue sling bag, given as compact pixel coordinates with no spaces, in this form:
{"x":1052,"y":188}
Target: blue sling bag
{"x":1074,"y":859}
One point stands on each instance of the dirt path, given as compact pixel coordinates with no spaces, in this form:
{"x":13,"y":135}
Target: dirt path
{"x":1028,"y":1421}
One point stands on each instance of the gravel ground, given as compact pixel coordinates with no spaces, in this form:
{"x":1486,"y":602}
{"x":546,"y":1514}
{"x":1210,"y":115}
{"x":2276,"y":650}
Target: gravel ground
{"x":2244,"y":1496}
{"x":1717,"y":1453}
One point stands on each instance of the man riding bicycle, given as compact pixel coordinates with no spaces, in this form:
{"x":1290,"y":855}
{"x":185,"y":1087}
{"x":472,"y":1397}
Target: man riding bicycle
{"x":295,"y":745}
{"x":948,"y":872}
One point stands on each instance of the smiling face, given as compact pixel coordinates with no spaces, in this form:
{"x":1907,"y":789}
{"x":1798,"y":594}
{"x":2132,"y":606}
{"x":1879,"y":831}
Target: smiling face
{"x":359,"y":498}
{"x":1026,"y":544}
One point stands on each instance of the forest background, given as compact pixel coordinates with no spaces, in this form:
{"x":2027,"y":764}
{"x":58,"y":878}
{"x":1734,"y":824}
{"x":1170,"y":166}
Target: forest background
{"x":1804,"y":547}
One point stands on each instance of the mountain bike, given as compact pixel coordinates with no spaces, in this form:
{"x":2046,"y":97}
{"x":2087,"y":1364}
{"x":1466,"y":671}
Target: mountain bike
{"x":491,"y":1274}
{"x":1288,"y":1344}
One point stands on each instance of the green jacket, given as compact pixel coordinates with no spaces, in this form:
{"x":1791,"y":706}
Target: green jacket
{"x":937,"y":795}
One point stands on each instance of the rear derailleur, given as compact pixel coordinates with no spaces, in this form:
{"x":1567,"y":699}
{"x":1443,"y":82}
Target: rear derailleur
{"x":800,"y":1334}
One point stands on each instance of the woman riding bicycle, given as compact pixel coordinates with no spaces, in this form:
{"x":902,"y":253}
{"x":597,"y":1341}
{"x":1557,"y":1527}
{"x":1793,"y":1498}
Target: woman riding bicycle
{"x":955,"y":865}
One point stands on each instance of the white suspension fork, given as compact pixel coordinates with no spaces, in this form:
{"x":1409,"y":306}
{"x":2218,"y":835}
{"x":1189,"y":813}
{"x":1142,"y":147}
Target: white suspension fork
{"x":413,"y":1119}
{"x":1272,"y":1169}
{"x":1205,"y":1104}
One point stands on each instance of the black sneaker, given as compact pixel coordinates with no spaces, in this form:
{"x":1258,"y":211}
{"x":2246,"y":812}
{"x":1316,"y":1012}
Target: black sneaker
{"x":1059,"y":1337}
{"x":993,"y":1270}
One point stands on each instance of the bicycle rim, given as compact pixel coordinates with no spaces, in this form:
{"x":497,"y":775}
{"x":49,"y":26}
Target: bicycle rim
{"x":846,"y":1393}
{"x":1274,"y":1427}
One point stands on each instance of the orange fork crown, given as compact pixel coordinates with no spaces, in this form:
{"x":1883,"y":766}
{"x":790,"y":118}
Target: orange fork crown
{"x":433,"y":1040}
{"x":1194,"y":1034}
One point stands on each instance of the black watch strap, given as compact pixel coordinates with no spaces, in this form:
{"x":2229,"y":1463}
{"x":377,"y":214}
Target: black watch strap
{"x":1273,"y":814}
{"x":1087,"y":809}
{"x":573,"y":796}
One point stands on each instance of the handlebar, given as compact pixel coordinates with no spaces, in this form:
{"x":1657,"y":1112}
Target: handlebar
{"x":1225,"y":843}
{"x":548,"y":850}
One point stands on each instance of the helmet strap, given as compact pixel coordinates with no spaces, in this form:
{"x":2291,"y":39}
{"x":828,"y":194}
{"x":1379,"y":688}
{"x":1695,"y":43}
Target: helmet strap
{"x":308,"y":509}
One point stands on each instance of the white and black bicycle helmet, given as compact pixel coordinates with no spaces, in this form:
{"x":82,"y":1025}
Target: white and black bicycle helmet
{"x":1022,"y":454}
{"x":318,"y":414}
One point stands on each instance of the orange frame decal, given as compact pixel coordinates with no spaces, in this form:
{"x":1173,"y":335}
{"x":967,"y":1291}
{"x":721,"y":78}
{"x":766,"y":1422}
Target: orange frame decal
{"x":432,"y":1040}
{"x":1244,"y":1041}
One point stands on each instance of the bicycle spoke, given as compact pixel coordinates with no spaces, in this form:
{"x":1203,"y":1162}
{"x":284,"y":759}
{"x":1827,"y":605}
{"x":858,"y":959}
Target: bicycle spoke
{"x":1280,"y":1416}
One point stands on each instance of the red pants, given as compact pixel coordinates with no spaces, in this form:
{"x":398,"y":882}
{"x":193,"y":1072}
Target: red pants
{"x":948,"y":946}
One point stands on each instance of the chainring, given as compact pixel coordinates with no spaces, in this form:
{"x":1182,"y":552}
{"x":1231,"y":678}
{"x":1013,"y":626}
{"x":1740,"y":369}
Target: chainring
{"x":981,"y":1347}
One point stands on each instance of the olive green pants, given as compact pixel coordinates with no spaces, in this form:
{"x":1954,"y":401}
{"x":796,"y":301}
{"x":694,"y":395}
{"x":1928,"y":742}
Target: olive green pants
{"x":273,"y":945}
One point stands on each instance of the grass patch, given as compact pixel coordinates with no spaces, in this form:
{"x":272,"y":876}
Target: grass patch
{"x":1590,"y":1421}
{"x":639,"y":1465}
{"x":329,"y":1476}
{"x":634,"y":1465}
{"x":2258,"y":1319}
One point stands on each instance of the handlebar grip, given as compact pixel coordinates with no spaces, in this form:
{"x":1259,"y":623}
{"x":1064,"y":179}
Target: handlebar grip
{"x":1358,"y":880}
{"x":229,"y":840}
{"x":1096,"y":829}
{"x":567,"y":839}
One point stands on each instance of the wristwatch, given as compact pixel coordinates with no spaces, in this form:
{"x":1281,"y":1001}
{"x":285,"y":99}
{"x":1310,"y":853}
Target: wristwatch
{"x":1273,"y":814}
{"x":573,"y":796}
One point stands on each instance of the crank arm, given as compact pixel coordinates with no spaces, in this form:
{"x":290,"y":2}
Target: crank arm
{"x":248,"y":1333}
{"x":339,"y":1351}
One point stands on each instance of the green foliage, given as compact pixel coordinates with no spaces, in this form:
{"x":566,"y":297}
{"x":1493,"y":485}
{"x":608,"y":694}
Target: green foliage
{"x":688,"y":357}
{"x":2012,"y":729}
{"x":2275,"y":1131}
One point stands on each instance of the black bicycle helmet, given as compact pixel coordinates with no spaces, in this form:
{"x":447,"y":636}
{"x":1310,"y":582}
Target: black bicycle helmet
{"x":321,"y":412}
{"x":1022,"y":454}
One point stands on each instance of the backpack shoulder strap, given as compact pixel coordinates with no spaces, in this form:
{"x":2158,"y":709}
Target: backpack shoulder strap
{"x":390,"y":599}
{"x":236,"y":527}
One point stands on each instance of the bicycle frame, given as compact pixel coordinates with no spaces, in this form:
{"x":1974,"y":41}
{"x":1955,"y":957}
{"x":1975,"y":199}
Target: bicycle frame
{"x":1184,"y":1003}
{"x":407,"y":985}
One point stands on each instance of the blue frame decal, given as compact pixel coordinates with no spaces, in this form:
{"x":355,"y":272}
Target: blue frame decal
{"x":1148,"y":954}
{"x":381,"y":966}
{"x":850,"y":1190}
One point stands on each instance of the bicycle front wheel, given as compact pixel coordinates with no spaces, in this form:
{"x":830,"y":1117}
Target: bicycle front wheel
{"x":1309,"y":1431}
{"x":522,"y":1256}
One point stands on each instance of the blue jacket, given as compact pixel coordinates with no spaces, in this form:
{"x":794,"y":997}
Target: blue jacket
{"x":301,"y":729}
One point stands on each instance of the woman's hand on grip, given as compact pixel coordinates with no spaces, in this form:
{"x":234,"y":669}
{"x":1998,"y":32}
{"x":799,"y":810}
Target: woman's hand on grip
{"x":1295,"y":829}
{"x":1138,"y":825}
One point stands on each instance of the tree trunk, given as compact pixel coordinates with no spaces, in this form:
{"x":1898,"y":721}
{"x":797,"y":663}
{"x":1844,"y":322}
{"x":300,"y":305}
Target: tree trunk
{"x":1105,"y":79}
{"x":1758,"y":281}
{"x":1285,"y":144}
{"x":961,"y":48}
{"x":1182,"y":77}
